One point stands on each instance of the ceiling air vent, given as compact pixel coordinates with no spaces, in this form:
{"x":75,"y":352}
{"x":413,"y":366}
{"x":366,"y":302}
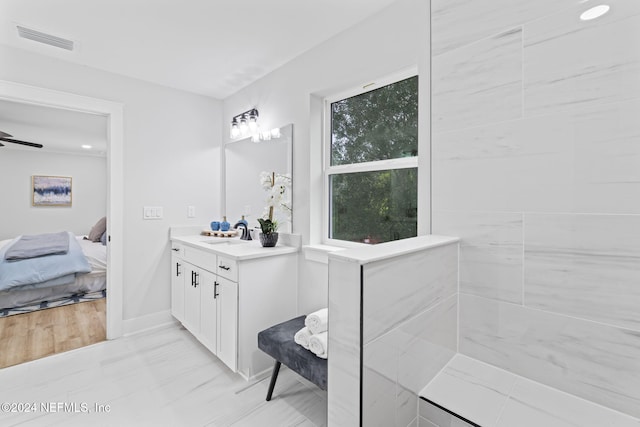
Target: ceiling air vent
{"x":45,"y":38}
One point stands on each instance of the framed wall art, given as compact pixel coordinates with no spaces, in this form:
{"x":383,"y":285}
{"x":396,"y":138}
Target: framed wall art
{"x":51,"y":190}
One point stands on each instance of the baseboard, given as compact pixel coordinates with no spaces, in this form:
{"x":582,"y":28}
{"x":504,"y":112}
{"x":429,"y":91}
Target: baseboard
{"x":149,"y":321}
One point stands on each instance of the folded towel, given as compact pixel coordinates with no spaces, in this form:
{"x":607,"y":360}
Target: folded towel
{"x":302,"y":337}
{"x":318,"y":321}
{"x":27,"y":247}
{"x":318,"y":344}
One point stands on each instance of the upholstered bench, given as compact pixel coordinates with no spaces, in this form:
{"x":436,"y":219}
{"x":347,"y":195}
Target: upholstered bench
{"x":277,"y":342}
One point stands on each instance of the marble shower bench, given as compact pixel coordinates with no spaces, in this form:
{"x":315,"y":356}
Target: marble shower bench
{"x":468,"y":392}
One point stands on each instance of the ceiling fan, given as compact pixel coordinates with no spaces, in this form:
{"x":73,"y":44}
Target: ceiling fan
{"x":8,"y":138}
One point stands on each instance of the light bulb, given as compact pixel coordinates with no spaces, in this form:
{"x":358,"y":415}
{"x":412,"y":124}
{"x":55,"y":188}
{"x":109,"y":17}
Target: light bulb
{"x":235,"y":132}
{"x":243,"y":125}
{"x":253,"y":120}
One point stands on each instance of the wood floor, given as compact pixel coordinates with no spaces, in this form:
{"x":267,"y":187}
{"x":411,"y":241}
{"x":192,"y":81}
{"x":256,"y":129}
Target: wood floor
{"x":163,"y":377}
{"x":30,"y":336}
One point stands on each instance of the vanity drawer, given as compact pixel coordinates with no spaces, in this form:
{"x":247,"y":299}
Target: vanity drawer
{"x":177,"y":249}
{"x":202,"y":259}
{"x":227,"y":268}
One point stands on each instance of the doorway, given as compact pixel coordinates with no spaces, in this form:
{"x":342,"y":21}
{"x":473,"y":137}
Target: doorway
{"x":113,"y":111}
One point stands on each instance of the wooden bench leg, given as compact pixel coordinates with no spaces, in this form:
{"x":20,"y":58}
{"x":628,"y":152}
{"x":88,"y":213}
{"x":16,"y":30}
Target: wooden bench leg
{"x":274,"y":377}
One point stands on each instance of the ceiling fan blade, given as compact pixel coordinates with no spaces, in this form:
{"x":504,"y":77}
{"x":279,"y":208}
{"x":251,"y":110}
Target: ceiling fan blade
{"x":4,"y":135}
{"x":17,"y":141}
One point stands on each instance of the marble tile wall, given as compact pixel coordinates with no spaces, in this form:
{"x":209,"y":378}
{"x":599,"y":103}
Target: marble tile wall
{"x":586,"y":266}
{"x":536,"y":167}
{"x":410,"y":327}
{"x":592,"y":360}
{"x":399,"y":288}
{"x":343,"y":372}
{"x":409,"y":305}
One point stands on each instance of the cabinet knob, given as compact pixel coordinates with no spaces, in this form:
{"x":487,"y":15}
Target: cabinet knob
{"x":175,"y":249}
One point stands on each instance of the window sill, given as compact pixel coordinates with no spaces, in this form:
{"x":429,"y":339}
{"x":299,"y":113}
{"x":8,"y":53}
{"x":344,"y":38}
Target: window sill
{"x":319,"y":253}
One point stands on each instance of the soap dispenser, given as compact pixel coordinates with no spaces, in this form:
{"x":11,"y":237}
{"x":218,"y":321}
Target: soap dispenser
{"x":243,"y":221}
{"x":224,"y":225}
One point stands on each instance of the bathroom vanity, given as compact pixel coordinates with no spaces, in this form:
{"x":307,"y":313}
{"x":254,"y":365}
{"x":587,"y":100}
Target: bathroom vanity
{"x":224,"y":291}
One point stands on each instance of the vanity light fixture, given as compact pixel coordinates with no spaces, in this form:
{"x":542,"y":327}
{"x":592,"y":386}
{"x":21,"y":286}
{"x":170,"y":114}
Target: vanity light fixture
{"x":594,"y":12}
{"x":244,"y":124}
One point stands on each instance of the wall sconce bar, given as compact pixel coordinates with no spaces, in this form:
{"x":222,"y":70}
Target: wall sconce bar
{"x":244,"y":124}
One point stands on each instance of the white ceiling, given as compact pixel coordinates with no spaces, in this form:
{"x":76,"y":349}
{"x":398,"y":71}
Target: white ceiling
{"x":58,"y":130}
{"x":210,"y":47}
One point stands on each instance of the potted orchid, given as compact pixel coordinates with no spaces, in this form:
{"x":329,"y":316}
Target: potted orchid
{"x":278,"y":188}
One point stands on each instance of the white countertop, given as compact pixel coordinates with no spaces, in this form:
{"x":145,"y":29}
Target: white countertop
{"x":233,"y":248}
{"x":372,"y":253}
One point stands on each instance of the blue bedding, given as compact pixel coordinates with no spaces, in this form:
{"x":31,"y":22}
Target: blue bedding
{"x":38,"y":245}
{"x":45,"y":270}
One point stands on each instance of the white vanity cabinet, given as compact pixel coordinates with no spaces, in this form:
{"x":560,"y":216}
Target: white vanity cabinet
{"x":177,"y":283}
{"x":219,"y":317}
{"x":225,"y":300}
{"x":193,"y":284}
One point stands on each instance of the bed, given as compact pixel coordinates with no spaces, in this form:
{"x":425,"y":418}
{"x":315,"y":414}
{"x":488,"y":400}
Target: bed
{"x":94,"y":281}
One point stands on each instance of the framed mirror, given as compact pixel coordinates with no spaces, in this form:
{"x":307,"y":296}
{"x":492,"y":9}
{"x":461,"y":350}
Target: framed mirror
{"x":245,"y":160}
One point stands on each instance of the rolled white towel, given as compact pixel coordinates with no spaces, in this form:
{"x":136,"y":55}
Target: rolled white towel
{"x":302,"y":337}
{"x":318,"y":321}
{"x":318,"y":344}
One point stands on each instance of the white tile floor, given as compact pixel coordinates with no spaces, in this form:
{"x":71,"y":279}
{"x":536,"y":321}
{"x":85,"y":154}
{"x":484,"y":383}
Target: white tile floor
{"x":158,"y":378}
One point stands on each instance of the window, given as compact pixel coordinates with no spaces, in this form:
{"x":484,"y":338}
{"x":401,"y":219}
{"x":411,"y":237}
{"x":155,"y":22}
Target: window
{"x":371,"y":167}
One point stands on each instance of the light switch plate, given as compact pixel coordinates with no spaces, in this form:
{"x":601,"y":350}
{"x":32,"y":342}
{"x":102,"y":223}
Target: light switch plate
{"x":191,"y":212}
{"x":152,"y":212}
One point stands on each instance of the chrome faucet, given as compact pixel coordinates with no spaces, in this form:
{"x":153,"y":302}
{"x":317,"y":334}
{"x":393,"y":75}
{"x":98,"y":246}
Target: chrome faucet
{"x":245,"y":231}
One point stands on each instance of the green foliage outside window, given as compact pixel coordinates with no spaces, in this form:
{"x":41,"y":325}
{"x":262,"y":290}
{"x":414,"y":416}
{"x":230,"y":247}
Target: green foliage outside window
{"x":381,"y":205}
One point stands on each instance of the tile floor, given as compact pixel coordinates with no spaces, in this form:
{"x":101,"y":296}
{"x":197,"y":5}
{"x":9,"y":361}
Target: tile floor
{"x":162,"y":377}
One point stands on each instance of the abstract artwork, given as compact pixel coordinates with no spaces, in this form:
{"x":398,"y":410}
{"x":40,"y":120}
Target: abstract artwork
{"x":51,"y":190}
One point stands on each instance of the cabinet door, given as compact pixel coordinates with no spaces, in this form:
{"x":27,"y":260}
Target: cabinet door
{"x":177,"y":287}
{"x":208,"y":310}
{"x":227,"y":322}
{"x":192,"y":285}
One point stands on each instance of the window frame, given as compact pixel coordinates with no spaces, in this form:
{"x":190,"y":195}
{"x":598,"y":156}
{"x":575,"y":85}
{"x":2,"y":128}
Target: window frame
{"x":379,"y":165}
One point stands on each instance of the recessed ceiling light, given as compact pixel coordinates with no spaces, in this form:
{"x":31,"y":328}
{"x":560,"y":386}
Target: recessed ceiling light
{"x":86,"y":147}
{"x":594,"y":12}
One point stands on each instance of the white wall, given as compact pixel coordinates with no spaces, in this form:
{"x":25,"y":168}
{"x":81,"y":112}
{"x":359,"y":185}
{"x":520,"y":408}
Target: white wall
{"x":89,"y":192}
{"x":171,"y":153}
{"x":395,"y":39}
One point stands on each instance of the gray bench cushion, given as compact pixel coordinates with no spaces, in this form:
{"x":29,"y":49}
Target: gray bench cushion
{"x":277,"y":342}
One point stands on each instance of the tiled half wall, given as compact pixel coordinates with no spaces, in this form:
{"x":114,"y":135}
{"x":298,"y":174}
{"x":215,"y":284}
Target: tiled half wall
{"x":392,"y":327}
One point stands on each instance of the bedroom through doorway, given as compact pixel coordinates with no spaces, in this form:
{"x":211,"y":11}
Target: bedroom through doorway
{"x":57,"y":191}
